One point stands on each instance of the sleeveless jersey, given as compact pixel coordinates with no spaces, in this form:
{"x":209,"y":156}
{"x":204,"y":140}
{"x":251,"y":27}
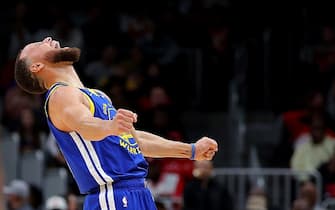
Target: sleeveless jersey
{"x":96,"y":163}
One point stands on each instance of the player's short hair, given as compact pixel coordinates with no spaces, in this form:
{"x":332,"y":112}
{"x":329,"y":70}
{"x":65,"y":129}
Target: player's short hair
{"x":25,"y":78}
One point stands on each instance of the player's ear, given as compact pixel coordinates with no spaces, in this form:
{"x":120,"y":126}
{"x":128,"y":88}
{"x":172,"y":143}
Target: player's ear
{"x":36,"y":67}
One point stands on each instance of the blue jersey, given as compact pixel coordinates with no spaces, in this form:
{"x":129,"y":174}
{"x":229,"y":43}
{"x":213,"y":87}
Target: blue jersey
{"x":97,"y":163}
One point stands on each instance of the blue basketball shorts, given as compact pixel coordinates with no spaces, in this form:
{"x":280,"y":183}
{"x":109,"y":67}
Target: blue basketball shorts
{"x":121,"y":195}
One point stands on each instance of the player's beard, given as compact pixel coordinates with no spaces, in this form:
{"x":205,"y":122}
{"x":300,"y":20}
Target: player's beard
{"x":70,"y":54}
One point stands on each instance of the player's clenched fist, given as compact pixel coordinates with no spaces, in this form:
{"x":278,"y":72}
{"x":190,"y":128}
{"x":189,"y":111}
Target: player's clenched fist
{"x":123,"y":121}
{"x":205,"y":149}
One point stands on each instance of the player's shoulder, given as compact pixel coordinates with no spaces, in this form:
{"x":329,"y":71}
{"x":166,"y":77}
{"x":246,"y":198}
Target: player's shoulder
{"x":64,"y":93}
{"x":100,"y":92}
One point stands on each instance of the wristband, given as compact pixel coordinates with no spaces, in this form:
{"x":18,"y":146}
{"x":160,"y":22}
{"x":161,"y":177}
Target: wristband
{"x":193,"y":151}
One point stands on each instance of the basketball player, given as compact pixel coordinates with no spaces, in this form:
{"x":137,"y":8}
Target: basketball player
{"x":103,"y":150}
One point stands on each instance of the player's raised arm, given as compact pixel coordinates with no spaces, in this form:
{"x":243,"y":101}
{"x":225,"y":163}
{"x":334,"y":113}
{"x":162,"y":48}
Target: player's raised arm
{"x":152,"y":145}
{"x":69,"y":110}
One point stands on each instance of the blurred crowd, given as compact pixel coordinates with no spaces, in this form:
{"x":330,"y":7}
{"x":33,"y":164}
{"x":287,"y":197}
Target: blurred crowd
{"x":144,"y":55}
{"x":136,"y":54}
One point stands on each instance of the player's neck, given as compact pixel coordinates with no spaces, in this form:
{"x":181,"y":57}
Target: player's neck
{"x":67,"y":76}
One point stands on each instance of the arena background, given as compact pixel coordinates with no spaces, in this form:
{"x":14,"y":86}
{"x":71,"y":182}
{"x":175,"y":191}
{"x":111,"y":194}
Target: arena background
{"x":257,"y":76}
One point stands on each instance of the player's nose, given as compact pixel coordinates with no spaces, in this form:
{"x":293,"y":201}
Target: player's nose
{"x":47,"y":40}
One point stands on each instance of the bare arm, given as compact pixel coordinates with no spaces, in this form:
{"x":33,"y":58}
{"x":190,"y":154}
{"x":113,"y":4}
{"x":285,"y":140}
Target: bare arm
{"x":152,"y":145}
{"x":69,"y":111}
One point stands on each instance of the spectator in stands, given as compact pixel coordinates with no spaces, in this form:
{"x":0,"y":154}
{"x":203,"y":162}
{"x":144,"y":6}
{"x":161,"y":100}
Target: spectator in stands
{"x":296,"y":123}
{"x":65,"y":30}
{"x":218,"y":60}
{"x":29,"y":132}
{"x":157,"y":96}
{"x":142,"y":30}
{"x":317,"y":149}
{"x":134,"y":62}
{"x":36,"y":199}
{"x":134,"y":84}
{"x":15,"y":101}
{"x":161,"y":120}
{"x":256,"y":199}
{"x":153,"y":75}
{"x":115,"y":89}
{"x":301,"y":204}
{"x":56,"y":203}
{"x":324,"y":52}
{"x":327,"y":171}
{"x":20,"y":35}
{"x":18,"y":195}
{"x":73,"y":202}
{"x":323,"y":59}
{"x":309,"y":193}
{"x":100,"y":70}
{"x":204,"y":192}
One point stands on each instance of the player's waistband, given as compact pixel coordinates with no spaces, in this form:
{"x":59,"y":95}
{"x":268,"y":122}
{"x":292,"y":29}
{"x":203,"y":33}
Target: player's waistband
{"x":130,"y":183}
{"x":122,"y":184}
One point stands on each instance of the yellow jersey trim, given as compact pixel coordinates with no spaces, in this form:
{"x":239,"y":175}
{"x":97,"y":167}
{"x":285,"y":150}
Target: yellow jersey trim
{"x":53,"y":88}
{"x":92,"y":106}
